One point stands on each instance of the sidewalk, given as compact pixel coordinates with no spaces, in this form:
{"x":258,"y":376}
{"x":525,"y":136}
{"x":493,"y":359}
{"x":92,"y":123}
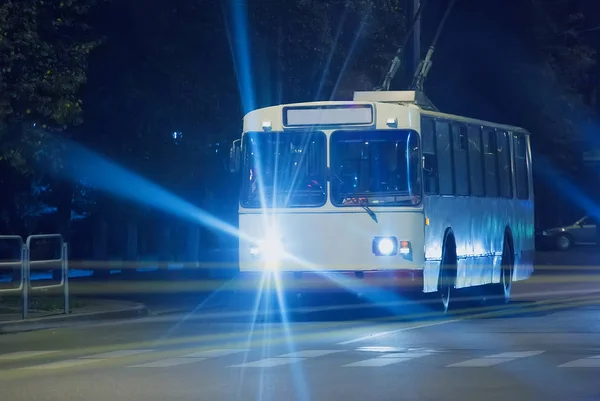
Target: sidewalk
{"x":82,"y":311}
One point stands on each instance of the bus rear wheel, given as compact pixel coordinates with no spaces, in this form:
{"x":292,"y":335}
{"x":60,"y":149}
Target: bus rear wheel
{"x":504,"y":287}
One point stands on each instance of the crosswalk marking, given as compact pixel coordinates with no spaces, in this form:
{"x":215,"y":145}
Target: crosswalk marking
{"x":388,"y":359}
{"x":492,"y":360}
{"x":84,"y":360}
{"x":406,"y":355}
{"x":377,"y":362}
{"x":380,"y":360}
{"x":117,"y":354}
{"x":215,"y":353}
{"x":516,"y":355}
{"x":167,"y":363}
{"x":591,"y":362}
{"x":284,"y":359}
{"x":268,"y":363}
{"x":479,"y":363}
{"x":68,"y":363}
{"x":311,"y":353}
{"x":189,"y":358}
{"x":23,"y":354}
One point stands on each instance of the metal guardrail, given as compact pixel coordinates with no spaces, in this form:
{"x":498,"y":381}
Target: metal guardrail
{"x":20,"y":263}
{"x":26,"y":262}
{"x":34,"y":262}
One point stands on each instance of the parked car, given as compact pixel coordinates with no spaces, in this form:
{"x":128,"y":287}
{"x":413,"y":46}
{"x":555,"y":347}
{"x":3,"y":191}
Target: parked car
{"x":582,"y":232}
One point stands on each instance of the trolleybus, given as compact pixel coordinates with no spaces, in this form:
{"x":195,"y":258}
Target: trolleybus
{"x":380,"y":193}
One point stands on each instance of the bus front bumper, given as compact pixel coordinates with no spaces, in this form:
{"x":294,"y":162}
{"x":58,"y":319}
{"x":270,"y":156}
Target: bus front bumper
{"x":339,"y":281}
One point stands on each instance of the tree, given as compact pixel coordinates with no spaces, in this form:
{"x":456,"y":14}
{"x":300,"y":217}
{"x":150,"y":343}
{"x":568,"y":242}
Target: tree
{"x":169,"y":69}
{"x":316,"y":50}
{"x":44,"y":47}
{"x":559,"y":28}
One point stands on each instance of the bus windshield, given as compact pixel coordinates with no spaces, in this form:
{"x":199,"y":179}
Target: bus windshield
{"x":284,"y":169}
{"x":375,"y":168}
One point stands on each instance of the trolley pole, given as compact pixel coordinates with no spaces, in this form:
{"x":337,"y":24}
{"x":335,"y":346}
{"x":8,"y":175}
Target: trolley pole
{"x":416,"y":59}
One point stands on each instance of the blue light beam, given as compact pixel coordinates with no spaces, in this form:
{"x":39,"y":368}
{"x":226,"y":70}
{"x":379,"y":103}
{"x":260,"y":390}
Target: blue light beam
{"x":81,"y":164}
{"x":237,"y":35}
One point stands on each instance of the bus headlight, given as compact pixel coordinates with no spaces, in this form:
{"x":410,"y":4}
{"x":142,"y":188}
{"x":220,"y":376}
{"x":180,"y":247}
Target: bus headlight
{"x":390,"y":246}
{"x":270,"y":251}
{"x":385,"y":246}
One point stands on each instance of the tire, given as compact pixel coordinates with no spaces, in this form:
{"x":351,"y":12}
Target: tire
{"x":563,"y":242}
{"x":503,"y":289}
{"x":447,"y":277}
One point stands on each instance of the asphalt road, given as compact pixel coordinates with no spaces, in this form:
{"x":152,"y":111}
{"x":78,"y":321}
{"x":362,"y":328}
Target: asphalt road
{"x":545,"y":345}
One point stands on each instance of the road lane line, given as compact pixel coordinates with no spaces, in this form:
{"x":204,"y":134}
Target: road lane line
{"x":591,"y":362}
{"x":388,"y":359}
{"x":314,"y":353}
{"x":215,"y":353}
{"x":556,"y":294}
{"x":23,"y":354}
{"x":268,"y":363}
{"x":117,"y":354}
{"x":493,"y":360}
{"x":69,"y":363}
{"x":494,"y":312}
{"x":167,"y":363}
{"x":385,"y":333}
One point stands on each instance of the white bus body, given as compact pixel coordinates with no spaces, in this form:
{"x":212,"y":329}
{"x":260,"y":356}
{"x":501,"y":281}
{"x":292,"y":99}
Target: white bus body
{"x":468,"y":186}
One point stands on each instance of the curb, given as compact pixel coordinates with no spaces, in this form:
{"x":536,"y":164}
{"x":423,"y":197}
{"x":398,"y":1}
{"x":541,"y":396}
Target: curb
{"x":42,"y":323}
{"x":176,"y":311}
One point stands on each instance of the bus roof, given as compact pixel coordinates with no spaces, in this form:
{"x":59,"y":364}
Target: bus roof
{"x":468,"y":120}
{"x":411,"y":105}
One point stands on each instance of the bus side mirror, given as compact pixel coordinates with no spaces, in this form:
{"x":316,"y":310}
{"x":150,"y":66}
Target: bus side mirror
{"x":235,"y":156}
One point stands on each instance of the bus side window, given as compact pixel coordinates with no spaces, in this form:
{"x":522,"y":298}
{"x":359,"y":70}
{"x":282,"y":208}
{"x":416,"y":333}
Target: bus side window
{"x":504,"y":168}
{"x":476,"y":161}
{"x":489,"y":161}
{"x":430,"y":170}
{"x":522,"y":178}
{"x":414,"y":173}
{"x":444,"y":157}
{"x":461,"y":166}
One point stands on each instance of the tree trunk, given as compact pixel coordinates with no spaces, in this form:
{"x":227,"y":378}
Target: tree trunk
{"x":64,"y":205}
{"x":131,"y":247}
{"x":100,"y":247}
{"x":164,"y":246}
{"x":193,"y":248}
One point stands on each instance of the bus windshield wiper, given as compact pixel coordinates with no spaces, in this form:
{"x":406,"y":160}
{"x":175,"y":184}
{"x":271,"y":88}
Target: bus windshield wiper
{"x":371,"y":213}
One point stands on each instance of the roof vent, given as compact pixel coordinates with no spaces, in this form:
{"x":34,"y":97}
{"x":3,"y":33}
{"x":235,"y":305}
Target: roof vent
{"x":417,"y":98}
